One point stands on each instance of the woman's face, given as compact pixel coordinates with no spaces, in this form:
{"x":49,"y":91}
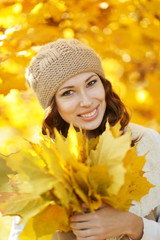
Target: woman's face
{"x":81,"y":101}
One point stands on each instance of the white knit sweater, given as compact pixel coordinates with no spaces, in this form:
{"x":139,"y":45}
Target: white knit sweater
{"x":149,"y":144}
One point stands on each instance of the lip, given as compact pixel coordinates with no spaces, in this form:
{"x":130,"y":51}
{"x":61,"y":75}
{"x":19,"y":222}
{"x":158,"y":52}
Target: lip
{"x":87,"y":112}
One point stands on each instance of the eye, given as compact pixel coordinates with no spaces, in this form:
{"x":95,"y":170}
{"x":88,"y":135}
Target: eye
{"x":91,"y":83}
{"x":67,"y":93}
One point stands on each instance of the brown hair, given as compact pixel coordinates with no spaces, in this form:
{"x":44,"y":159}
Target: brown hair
{"x":115,"y":111}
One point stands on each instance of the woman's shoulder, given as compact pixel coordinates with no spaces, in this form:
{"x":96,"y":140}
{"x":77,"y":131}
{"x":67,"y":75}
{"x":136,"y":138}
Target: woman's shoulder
{"x":148,"y":143}
{"x":147,"y":137}
{"x":140,"y":130}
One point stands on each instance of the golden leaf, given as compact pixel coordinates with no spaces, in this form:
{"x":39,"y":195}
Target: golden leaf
{"x":99,"y":179}
{"x":4,"y":172}
{"x":73,"y":141}
{"x":135,"y":185}
{"x":28,"y":233}
{"x":6,"y":224}
{"x":32,"y":169}
{"x":54,"y":217}
{"x":24,"y":205}
{"x":110,"y":151}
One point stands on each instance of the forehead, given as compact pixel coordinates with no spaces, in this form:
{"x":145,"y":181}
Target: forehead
{"x":77,"y":79}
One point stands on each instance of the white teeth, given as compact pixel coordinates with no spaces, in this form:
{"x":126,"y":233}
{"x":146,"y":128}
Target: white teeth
{"x":89,"y":114}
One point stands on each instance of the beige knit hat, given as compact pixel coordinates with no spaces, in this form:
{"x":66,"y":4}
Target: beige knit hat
{"x":55,"y":63}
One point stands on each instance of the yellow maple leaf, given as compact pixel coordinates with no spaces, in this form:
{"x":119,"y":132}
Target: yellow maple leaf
{"x":110,"y":151}
{"x":29,"y":233}
{"x":135,"y":185}
{"x":32,"y":169}
{"x":6,"y":224}
{"x":54,"y":217}
{"x":4,"y":172}
{"x":22,"y":204}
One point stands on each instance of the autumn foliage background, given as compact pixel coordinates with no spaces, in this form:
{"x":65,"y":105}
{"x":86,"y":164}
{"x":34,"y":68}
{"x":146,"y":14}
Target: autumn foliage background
{"x":125,"y":33}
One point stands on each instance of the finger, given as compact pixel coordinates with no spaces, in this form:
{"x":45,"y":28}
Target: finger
{"x":102,"y":206}
{"x":82,"y":217}
{"x":78,"y":213}
{"x":90,"y":238}
{"x":88,"y":232}
{"x":82,"y":225}
{"x":84,"y":205}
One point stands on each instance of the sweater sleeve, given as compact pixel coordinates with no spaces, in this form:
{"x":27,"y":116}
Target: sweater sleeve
{"x":156,"y":135}
{"x":151,"y":230}
{"x":16,"y":229}
{"x":148,"y":145}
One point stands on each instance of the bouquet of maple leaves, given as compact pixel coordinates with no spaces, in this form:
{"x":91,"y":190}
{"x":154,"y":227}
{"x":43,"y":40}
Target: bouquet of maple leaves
{"x":46,"y":184}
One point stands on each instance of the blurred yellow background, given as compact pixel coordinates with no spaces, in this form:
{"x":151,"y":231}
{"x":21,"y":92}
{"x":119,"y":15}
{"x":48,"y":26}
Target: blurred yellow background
{"x":125,"y":33}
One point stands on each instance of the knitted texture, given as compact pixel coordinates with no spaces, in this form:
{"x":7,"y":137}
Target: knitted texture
{"x":55,"y":63}
{"x":149,"y":144}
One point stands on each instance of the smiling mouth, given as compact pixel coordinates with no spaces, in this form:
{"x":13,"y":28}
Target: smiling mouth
{"x":89,"y":115}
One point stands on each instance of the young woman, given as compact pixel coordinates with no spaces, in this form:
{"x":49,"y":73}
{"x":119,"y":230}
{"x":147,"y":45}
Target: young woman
{"x":69,"y":82}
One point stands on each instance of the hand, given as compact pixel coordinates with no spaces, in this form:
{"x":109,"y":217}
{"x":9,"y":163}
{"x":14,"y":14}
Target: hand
{"x":106,"y":222}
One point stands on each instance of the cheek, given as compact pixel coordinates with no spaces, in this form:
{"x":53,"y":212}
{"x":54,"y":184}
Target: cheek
{"x":100,"y":93}
{"x":102,"y":98}
{"x":66,"y":109}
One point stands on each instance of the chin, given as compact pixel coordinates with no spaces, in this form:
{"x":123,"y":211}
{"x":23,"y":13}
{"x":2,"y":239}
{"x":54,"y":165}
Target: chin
{"x":91,"y":126}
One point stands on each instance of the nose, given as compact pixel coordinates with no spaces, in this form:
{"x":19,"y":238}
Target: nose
{"x":85,"y":100}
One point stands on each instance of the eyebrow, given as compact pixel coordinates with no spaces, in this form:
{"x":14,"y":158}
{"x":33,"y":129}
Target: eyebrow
{"x":68,"y":87}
